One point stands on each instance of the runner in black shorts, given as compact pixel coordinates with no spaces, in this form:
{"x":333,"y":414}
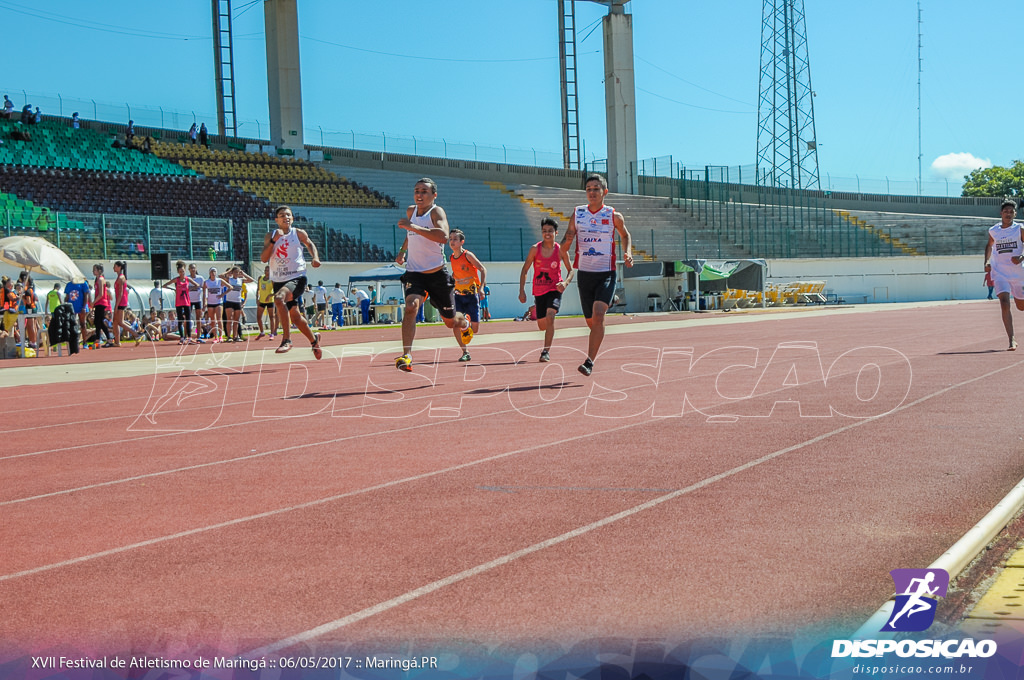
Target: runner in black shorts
{"x":546,"y":259}
{"x":282,"y":249}
{"x":593,"y":226}
{"x":425,"y":273}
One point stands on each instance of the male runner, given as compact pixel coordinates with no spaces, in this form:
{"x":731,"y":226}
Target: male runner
{"x":593,"y":227}
{"x":470,"y":276}
{"x":425,"y":275}
{"x":546,"y":259}
{"x":1004,"y":254}
{"x":282,"y":249}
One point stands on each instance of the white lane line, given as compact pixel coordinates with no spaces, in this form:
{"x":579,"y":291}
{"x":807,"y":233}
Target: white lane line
{"x":408,"y":596}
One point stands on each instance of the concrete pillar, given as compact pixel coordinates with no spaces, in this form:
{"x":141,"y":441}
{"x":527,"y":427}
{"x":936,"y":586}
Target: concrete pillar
{"x":619,"y":97}
{"x":284,"y":86}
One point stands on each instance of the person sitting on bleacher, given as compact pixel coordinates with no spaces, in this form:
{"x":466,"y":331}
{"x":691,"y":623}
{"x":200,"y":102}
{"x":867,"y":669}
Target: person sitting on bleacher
{"x":8,"y":110}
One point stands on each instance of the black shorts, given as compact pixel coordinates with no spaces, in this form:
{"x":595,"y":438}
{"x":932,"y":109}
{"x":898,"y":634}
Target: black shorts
{"x":595,"y":287}
{"x":296,"y":287}
{"x":121,"y":308}
{"x":198,"y":306}
{"x":468,"y":305}
{"x":265,"y":305}
{"x":440,"y":286}
{"x":212,"y":305}
{"x":232,"y":305}
{"x":549,"y":300}
{"x":321,"y":306}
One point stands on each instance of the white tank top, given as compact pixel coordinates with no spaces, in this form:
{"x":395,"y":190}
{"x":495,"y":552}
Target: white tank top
{"x":595,"y":239}
{"x":1006,"y":244}
{"x":424,"y":255}
{"x":233,"y":295}
{"x":194,"y":295}
{"x":287,"y":262}
{"x":214,"y":291}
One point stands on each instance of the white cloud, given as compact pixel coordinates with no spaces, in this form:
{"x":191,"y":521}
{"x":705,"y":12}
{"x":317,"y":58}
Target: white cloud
{"x":956,"y":165}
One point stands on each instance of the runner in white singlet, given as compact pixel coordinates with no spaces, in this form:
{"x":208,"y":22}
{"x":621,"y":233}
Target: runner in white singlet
{"x":593,"y":227}
{"x":282,"y":249}
{"x":1004,"y":254}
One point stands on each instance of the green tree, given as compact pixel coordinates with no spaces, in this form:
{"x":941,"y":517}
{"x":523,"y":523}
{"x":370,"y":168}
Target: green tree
{"x":996,"y":181}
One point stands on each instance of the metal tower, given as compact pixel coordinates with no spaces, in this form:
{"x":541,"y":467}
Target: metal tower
{"x":787,"y":146}
{"x":570,"y":100}
{"x":224,"y":68}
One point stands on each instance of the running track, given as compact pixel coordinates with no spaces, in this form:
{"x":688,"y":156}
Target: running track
{"x":245,"y":502}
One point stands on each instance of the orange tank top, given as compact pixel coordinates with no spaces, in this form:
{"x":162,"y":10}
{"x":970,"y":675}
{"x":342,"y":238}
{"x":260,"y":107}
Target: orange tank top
{"x":467,"y":277}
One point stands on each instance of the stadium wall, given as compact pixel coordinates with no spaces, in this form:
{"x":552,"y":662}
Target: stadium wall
{"x":856,"y":280}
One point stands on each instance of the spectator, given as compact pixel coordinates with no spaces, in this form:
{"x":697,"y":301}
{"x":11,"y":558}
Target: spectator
{"x":320,"y":300}
{"x":156,"y":298}
{"x":74,"y":121}
{"x":26,"y":114}
{"x":338,"y":305}
{"x":37,"y":118}
{"x":8,"y":110}
{"x":363,"y":302}
{"x":147,"y":145}
{"x":53,"y":300}
{"x":203,"y":136}
{"x":10,"y":305}
{"x":192,"y":133}
{"x":129,"y":134}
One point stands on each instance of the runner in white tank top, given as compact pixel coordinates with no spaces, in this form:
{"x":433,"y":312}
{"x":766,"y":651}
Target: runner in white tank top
{"x":282,"y":250}
{"x":425,"y":276}
{"x":593,"y":227}
{"x":1004,"y":255}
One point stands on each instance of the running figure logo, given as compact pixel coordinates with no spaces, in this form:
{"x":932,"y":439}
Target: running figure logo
{"x":916,"y":593}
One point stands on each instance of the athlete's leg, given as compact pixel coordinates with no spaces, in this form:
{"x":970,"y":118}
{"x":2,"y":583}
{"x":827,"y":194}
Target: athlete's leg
{"x":1004,"y":309}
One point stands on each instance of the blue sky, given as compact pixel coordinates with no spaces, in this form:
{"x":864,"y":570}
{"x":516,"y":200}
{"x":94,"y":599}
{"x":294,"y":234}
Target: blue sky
{"x":445,"y":75}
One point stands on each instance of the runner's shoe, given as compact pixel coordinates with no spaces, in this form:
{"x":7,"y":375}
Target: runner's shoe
{"x":317,"y":352}
{"x":587,"y":367}
{"x":1013,"y":345}
{"x":545,"y":357}
{"x":285,"y":346}
{"x":467,"y":335}
{"x":465,"y":356}
{"x":404,"y":363}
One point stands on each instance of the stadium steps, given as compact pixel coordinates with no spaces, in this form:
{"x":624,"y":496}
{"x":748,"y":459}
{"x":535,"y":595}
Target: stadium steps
{"x":887,"y":239}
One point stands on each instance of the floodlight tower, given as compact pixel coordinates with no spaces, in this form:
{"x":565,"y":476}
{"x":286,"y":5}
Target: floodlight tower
{"x":787,"y":146}
{"x":224,"y":68}
{"x":619,"y":90}
{"x":570,"y":98}
{"x":284,"y":84}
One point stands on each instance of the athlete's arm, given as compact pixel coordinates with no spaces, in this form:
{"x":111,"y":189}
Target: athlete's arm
{"x":480,"y":268}
{"x":438,"y":233}
{"x":627,"y":240}
{"x":308,"y":242}
{"x":268,"y":244}
{"x":568,"y":268}
{"x":570,"y":236}
{"x":400,"y":257}
{"x":522,"y":274}
{"x":988,"y":253}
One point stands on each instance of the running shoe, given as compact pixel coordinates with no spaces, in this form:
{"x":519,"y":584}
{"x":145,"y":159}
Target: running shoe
{"x":285,"y":346}
{"x":467,"y":335}
{"x":587,"y":367}
{"x":465,"y":356}
{"x":545,"y":357}
{"x":1013,"y":345}
{"x":404,"y":363}
{"x":317,"y":352}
